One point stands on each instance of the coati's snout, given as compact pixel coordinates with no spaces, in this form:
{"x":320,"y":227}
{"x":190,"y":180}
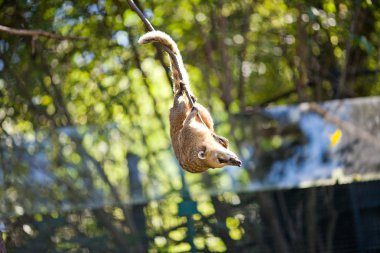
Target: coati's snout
{"x":218,"y":157}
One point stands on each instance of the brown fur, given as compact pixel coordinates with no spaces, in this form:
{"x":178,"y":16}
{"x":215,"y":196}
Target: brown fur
{"x":195,"y":144}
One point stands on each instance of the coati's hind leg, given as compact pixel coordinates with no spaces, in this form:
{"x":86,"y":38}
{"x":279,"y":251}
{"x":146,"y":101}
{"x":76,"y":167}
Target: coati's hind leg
{"x":201,"y":111}
{"x":191,"y":116}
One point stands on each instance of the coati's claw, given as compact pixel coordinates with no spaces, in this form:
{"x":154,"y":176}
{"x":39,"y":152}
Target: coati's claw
{"x":235,"y":161}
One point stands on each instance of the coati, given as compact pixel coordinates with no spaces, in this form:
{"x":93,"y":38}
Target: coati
{"x":195,"y":143}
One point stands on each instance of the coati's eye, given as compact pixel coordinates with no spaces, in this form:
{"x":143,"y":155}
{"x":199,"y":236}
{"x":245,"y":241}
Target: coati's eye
{"x":202,"y":153}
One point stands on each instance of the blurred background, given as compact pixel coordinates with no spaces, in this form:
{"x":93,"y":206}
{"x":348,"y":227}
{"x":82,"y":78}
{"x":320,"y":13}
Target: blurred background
{"x":86,"y":163}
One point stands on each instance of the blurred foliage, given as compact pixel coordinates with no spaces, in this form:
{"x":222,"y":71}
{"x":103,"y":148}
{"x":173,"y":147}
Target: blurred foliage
{"x":84,"y":105}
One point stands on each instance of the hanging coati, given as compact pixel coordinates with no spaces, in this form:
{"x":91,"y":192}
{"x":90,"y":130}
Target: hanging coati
{"x":195,"y":144}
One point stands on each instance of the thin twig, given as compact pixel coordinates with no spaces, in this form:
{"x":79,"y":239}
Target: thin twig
{"x":37,"y":33}
{"x":149,"y":27}
{"x":136,"y":9}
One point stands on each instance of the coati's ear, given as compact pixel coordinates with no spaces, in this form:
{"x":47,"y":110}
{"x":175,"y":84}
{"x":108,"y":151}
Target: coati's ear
{"x":223,"y":141}
{"x":202,"y":155}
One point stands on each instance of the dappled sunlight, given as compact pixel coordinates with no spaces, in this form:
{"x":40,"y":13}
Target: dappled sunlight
{"x":86,"y":161}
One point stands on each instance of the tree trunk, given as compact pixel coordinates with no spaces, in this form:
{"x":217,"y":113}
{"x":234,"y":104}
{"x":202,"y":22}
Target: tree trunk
{"x":136,"y":191}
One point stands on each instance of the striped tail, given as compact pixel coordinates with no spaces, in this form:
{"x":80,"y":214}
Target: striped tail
{"x":166,"y":40}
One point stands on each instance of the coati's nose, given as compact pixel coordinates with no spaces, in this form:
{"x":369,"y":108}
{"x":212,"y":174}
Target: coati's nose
{"x":234,"y":161}
{"x":228,"y":158}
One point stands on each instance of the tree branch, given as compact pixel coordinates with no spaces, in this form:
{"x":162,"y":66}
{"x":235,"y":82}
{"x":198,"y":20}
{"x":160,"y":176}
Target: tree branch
{"x":277,"y":97}
{"x":348,"y":48}
{"x":37,"y":33}
{"x":346,"y":126}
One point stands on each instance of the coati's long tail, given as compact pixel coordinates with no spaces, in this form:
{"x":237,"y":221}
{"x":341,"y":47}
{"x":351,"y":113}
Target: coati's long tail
{"x":166,"y":40}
